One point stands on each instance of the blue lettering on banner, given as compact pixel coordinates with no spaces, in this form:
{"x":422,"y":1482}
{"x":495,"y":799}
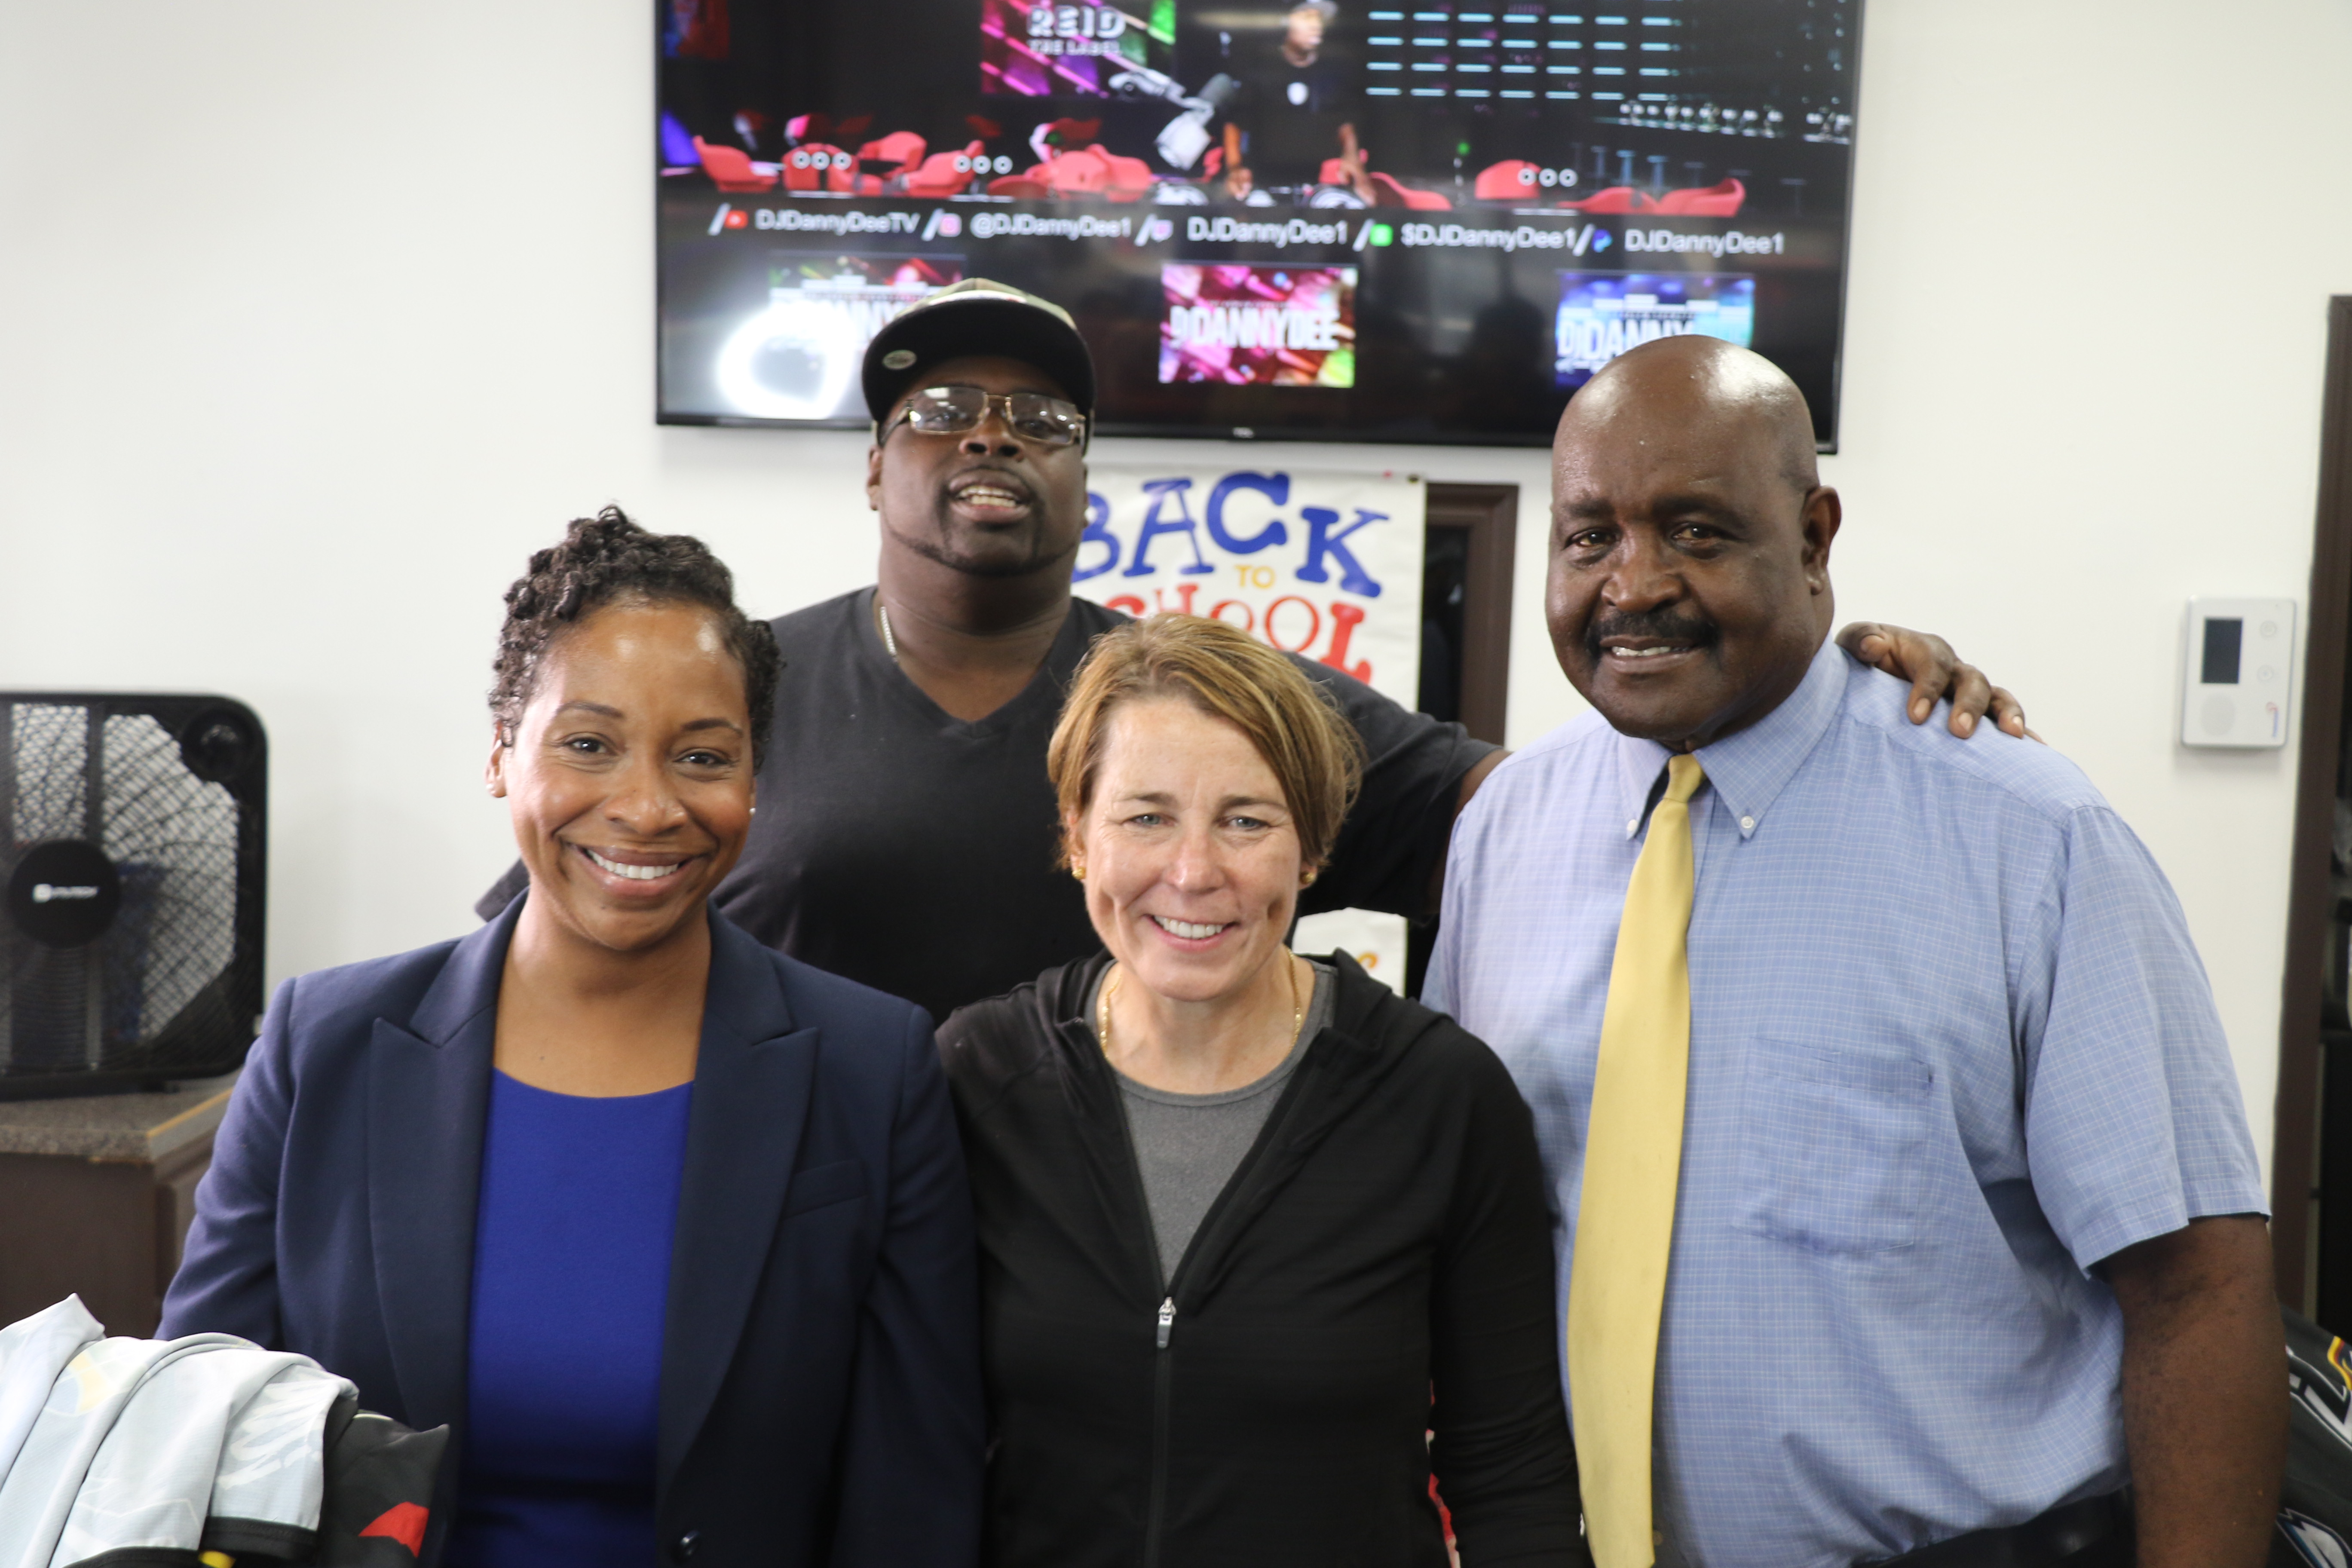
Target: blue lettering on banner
{"x":1161,"y":491}
{"x":1097,"y":532}
{"x":1323,"y":540}
{"x":1275,"y":488}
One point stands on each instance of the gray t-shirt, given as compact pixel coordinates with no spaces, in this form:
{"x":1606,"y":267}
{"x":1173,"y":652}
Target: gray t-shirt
{"x":1188,"y":1145}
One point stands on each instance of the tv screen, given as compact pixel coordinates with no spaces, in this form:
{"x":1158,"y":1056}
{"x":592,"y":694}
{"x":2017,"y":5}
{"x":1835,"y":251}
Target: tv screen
{"x":1406,"y":220}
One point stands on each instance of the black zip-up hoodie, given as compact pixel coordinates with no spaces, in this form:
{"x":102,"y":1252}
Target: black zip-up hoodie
{"x":1386,"y":1236}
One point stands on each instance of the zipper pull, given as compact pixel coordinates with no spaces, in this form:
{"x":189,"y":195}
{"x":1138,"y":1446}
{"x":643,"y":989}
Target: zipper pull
{"x":1167,"y":1321}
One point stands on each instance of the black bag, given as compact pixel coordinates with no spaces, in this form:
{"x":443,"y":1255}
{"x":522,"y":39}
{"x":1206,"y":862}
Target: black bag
{"x":378,"y":1501}
{"x":2314,"y":1521}
{"x":378,"y":1489}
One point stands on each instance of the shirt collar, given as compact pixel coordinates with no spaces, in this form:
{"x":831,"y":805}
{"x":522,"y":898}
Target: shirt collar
{"x":1639,"y":764}
{"x":1747,"y":768}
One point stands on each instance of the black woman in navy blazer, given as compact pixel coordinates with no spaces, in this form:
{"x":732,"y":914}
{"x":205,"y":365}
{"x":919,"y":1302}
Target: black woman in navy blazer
{"x":793,"y":1379}
{"x":820,"y":1396}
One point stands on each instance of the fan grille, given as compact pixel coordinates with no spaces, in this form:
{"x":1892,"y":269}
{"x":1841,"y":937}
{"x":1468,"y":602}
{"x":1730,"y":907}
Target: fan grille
{"x":141,"y":997}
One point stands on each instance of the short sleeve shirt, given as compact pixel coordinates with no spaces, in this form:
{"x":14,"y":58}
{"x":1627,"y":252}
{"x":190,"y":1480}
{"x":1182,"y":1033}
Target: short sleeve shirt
{"x":1950,"y":1046}
{"x":913,"y":851}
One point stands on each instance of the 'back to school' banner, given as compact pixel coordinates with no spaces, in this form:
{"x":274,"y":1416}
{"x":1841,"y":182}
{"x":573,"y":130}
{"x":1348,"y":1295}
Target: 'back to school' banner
{"x":1324,"y":566}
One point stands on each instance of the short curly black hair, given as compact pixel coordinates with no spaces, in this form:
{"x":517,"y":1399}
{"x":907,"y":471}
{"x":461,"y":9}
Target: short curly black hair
{"x":606,"y":559}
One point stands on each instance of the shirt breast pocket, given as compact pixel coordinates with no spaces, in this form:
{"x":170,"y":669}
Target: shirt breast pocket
{"x":1832,"y":1154}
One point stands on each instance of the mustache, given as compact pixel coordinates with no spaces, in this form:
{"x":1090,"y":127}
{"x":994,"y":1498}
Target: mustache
{"x":1667,"y":625}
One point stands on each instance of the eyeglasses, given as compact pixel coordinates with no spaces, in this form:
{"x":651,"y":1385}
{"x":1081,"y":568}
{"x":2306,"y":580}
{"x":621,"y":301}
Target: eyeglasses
{"x":1032,"y":416}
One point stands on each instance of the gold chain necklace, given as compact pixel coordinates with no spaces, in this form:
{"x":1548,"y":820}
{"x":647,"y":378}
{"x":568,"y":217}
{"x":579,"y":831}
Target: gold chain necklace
{"x":1117,"y":974}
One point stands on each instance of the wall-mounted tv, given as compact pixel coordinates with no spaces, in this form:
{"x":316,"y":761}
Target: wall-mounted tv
{"x":1391,"y":220}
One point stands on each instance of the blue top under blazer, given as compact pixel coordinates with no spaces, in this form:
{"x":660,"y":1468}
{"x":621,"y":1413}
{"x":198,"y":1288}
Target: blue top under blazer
{"x":820,"y":1392}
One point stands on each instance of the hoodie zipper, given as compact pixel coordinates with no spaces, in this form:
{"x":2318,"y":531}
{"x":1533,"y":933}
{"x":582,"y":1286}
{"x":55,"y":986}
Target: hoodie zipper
{"x":1163,"y":1333}
{"x":1163,"y":1323}
{"x":1156,"y":1518}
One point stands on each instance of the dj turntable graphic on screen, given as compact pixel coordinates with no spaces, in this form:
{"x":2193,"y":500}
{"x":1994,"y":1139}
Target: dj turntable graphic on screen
{"x":1360,"y":219}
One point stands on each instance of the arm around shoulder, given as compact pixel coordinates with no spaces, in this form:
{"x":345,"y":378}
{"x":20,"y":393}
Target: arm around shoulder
{"x":227,"y":1279}
{"x":912,"y":1447}
{"x":1418,"y":772}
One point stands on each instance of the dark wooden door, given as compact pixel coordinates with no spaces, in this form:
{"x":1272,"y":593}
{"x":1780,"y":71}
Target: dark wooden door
{"x":1465,"y":629}
{"x":2311,"y":1163}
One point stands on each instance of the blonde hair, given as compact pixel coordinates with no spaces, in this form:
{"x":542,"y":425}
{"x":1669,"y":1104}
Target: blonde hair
{"x":1292,"y":721}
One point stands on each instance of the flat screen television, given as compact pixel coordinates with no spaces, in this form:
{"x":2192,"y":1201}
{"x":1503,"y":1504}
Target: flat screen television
{"x":1375,"y":220}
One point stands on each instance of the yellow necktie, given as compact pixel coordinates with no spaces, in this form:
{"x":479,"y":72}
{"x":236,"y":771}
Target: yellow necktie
{"x":1633,"y":1154}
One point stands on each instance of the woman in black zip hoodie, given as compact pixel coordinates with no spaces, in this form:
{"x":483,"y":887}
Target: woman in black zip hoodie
{"x":1253,"y":1228}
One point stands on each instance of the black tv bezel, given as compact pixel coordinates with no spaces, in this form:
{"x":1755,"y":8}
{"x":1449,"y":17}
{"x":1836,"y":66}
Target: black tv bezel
{"x":1827,"y":445}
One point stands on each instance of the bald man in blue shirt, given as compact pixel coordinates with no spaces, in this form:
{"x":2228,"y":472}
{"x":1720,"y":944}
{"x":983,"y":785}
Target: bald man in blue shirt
{"x":1967,"y":1251}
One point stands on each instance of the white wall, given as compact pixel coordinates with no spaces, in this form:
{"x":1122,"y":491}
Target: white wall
{"x":2093,"y":248}
{"x":315,"y":319}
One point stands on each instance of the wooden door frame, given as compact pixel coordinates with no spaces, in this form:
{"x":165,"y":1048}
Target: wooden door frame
{"x":1491,"y":515}
{"x":2294,"y":1133}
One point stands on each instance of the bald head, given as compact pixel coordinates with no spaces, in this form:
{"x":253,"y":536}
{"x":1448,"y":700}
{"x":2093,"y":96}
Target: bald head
{"x":1733,"y":397}
{"x":1689,"y":576}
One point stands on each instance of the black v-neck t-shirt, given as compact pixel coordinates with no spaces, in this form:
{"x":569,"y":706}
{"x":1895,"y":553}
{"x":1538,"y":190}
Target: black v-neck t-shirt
{"x":912,"y":852}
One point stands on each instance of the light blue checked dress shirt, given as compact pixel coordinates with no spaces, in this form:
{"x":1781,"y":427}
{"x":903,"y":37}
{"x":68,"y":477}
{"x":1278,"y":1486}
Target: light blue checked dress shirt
{"x":1950,"y":1045}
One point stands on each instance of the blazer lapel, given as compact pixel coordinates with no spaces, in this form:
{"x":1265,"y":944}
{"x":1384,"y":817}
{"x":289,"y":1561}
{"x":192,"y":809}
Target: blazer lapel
{"x":752,"y":1085}
{"x":428,"y":1098}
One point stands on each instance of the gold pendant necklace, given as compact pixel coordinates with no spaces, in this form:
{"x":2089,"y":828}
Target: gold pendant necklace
{"x":1117,"y":973}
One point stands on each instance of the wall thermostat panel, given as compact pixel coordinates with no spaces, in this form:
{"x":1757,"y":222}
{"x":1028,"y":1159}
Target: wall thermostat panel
{"x":2233,"y":692}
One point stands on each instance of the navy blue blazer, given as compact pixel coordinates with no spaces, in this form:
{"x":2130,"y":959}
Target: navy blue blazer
{"x":820,"y":1393}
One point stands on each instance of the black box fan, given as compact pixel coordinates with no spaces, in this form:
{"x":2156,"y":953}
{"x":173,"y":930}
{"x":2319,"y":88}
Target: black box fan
{"x":131,"y":840}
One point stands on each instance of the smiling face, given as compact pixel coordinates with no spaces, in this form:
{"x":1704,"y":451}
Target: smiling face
{"x":1303,"y":30}
{"x":1690,"y":548}
{"x":629,"y":777}
{"x":985,"y":502}
{"x":1193,"y":864}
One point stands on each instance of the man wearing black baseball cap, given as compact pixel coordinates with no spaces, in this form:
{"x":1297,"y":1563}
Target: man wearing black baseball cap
{"x":909,"y":835}
{"x":977,"y":317}
{"x":911,"y":841}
